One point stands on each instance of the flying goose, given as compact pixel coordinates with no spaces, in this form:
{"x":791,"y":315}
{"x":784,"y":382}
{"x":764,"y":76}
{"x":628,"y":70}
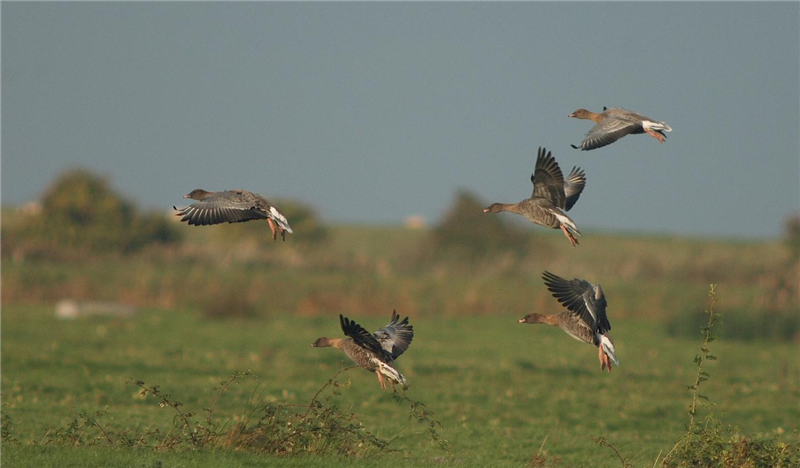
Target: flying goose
{"x":585,"y":318}
{"x":613,"y":124}
{"x":232,"y":206}
{"x":552,"y":197}
{"x":375,"y":352}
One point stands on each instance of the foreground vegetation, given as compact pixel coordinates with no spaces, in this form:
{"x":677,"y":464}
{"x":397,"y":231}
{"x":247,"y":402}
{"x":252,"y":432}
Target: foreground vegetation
{"x":506,"y":394}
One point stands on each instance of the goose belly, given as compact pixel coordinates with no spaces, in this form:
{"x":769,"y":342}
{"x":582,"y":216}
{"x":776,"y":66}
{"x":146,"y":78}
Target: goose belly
{"x":363,"y":358}
{"x":575,"y":328}
{"x":540,"y":215}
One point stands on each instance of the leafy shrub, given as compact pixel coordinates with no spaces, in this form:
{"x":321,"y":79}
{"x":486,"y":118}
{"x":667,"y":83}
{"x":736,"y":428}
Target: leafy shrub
{"x":715,"y":446}
{"x":275,"y":428}
{"x":467,"y":231}
{"x":81,"y":211}
{"x":6,"y":429}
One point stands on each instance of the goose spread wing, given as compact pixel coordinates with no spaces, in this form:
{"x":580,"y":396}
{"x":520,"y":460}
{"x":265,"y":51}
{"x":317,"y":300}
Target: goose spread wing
{"x":603,"y":325}
{"x":547,"y":179}
{"x":363,"y":338}
{"x":573,"y":186}
{"x":607,"y":131}
{"x":231,"y":206}
{"x":581,"y":298}
{"x":396,"y":336}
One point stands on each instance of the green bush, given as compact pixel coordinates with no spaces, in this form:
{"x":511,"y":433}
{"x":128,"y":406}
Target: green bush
{"x":269,"y":428}
{"x":80,"y":210}
{"x":469,"y":232}
{"x":717,"y":446}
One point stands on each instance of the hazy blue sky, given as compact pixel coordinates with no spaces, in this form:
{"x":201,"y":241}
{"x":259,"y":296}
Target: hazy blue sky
{"x":376,"y":111}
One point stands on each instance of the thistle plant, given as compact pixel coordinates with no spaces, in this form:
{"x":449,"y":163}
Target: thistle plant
{"x":701,"y":359}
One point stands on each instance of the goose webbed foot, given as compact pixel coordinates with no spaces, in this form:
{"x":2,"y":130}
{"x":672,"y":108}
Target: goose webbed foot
{"x":657,"y":136}
{"x":572,"y":239}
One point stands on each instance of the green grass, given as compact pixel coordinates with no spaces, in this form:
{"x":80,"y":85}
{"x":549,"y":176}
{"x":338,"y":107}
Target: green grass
{"x":502,"y":391}
{"x":366,"y":270}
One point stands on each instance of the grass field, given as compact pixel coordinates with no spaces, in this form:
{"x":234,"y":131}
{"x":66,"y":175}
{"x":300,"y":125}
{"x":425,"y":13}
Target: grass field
{"x":505,"y":394}
{"x":503,"y":391}
{"x":363,"y":270}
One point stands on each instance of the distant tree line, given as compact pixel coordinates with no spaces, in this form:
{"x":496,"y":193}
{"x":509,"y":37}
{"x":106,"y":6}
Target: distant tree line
{"x":81,"y":211}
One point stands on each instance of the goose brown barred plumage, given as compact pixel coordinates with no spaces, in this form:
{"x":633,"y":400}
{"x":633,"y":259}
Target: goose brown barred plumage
{"x":585,"y":318}
{"x":375,"y":352}
{"x":552,"y":197}
{"x":232,"y":206}
{"x":613,"y":124}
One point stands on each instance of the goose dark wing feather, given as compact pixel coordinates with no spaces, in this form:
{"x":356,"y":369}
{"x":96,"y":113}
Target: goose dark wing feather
{"x":606,"y":132}
{"x":547,"y":179}
{"x":603,"y":325}
{"x":572,"y":295}
{"x":363,"y":338}
{"x":396,"y":336}
{"x":222,"y":207}
{"x":573,"y":186}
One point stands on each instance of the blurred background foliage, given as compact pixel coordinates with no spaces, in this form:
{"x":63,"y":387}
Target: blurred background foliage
{"x":85,"y":241}
{"x":81,"y":211}
{"x":467,"y":232}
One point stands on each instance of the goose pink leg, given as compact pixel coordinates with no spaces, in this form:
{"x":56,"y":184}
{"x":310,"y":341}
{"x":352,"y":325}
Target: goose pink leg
{"x":272,"y":228}
{"x":656,"y":135}
{"x":380,"y":379}
{"x":572,"y":239}
{"x":601,"y":355}
{"x":605,"y":361}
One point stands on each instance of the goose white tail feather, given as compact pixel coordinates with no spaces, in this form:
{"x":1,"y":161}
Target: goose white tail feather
{"x":658,"y":126}
{"x":567,"y":222}
{"x":392,"y":374}
{"x":280,"y":219}
{"x":608,"y":348}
